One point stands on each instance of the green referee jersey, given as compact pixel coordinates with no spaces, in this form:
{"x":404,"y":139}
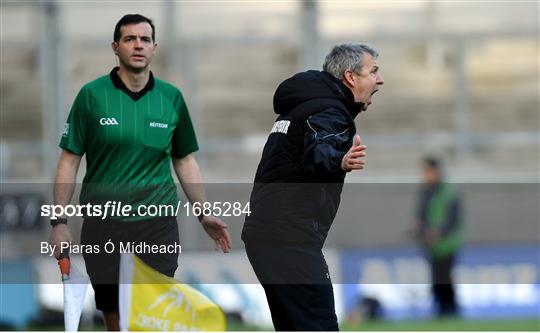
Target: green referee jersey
{"x":128,"y":139}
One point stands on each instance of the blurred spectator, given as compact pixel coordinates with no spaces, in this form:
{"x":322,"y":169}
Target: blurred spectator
{"x":438,"y":228}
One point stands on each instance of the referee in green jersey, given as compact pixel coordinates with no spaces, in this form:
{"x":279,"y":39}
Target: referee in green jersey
{"x":130,"y":125}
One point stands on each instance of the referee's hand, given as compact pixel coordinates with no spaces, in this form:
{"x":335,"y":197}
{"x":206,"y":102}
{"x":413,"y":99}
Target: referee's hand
{"x":217,"y":230}
{"x":59,"y":234}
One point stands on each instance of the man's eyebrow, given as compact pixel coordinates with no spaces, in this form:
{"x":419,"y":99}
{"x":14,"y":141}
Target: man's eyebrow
{"x":135,"y":36}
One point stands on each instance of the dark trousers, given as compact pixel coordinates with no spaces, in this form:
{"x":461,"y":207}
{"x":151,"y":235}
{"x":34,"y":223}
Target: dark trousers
{"x":297,"y":284}
{"x":443,"y":286}
{"x":103,"y":268}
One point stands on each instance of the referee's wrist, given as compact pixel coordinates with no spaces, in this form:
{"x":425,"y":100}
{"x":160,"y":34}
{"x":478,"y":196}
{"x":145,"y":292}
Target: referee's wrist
{"x":58,"y":221}
{"x":202,"y":216}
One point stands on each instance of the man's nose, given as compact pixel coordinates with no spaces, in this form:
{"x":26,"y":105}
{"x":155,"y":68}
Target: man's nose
{"x":138,"y":43}
{"x":380,"y":80}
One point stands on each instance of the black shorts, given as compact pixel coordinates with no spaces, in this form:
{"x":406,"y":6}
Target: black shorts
{"x":297,"y":284}
{"x":103,"y":268}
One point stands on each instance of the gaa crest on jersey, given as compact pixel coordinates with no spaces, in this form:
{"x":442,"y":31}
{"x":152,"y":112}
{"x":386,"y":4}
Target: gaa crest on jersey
{"x":108,"y":122}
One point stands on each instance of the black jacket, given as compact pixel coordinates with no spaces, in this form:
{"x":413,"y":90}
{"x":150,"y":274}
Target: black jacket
{"x":298,"y":183}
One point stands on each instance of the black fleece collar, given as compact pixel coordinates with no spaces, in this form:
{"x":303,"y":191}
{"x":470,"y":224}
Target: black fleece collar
{"x":354,"y":107}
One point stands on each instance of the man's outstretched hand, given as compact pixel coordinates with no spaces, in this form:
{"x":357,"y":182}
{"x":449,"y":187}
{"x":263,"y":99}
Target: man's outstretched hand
{"x":217,"y":230}
{"x":352,"y":159}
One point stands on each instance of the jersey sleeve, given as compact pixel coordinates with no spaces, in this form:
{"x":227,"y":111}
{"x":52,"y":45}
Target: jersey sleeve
{"x":184,"y":141}
{"x":76,"y":127}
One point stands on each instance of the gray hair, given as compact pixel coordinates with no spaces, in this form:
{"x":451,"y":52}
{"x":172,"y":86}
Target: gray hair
{"x":347,"y":57}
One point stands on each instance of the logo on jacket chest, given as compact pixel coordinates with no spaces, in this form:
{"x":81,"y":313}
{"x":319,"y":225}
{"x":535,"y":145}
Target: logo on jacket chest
{"x":281,"y":126}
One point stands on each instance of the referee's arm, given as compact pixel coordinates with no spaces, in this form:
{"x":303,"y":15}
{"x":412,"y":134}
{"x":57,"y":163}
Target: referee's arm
{"x":188,"y":173}
{"x":64,"y":186}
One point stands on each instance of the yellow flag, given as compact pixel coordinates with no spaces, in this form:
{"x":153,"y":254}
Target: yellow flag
{"x":151,"y":301}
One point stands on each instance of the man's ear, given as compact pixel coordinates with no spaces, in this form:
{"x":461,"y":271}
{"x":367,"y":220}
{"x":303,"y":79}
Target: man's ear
{"x":114,"y":46}
{"x":348,"y":78}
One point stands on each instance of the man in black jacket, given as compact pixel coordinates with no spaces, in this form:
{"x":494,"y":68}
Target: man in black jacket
{"x":297,"y":188}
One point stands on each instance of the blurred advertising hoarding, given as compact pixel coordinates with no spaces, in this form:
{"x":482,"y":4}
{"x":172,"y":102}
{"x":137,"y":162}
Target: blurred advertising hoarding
{"x":492,"y":281}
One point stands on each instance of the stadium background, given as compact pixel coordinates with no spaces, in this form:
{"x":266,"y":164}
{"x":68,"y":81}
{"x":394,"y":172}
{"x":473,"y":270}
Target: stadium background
{"x":461,"y":80}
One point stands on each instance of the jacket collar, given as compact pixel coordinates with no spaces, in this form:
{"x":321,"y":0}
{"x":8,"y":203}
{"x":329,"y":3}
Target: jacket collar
{"x":353,"y":107}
